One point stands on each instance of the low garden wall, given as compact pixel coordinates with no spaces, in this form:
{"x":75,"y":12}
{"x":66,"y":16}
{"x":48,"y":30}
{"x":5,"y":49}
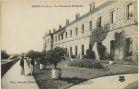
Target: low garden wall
{"x":6,"y":66}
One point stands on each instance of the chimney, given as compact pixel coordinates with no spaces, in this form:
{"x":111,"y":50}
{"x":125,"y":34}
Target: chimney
{"x":49,"y":31}
{"x":54,"y":30}
{"x":92,"y":6}
{"x":77,"y":16}
{"x":67,"y":21}
{"x":60,"y":26}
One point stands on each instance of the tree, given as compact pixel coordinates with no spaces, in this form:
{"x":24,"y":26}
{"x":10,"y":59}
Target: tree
{"x":43,"y":59}
{"x":34,"y":54}
{"x":4,"y":54}
{"x":98,"y":35}
{"x":55,"y":56}
{"x":90,"y":53}
{"x":101,"y":50}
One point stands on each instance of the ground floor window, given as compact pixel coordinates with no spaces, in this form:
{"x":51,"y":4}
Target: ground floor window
{"x":90,"y":46}
{"x":112,"y":47}
{"x":70,"y":51}
{"x":128,"y":47}
{"x":82,"y":49}
{"x":76,"y":50}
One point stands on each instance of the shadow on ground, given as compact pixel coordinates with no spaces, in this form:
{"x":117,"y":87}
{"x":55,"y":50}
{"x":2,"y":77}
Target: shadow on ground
{"x":74,"y":80}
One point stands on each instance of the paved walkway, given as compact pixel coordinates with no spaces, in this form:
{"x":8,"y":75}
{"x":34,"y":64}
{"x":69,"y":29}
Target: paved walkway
{"x":13,"y":80}
{"x":108,"y":82}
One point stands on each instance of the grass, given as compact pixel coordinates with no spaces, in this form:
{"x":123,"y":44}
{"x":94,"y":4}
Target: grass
{"x":133,"y":85}
{"x":75,"y":75}
{"x":86,"y":63}
{"x":133,"y":62}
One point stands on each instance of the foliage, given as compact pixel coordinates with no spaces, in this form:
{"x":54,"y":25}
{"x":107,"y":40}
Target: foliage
{"x":99,"y":33}
{"x":86,"y":64}
{"x":119,"y":40}
{"x":4,"y":54}
{"x":43,"y":59}
{"x":56,"y":55}
{"x":34,"y":54}
{"x":90,"y":54}
{"x":84,"y":56}
{"x":109,"y":56}
{"x":127,"y":62}
{"x":101,"y":50}
{"x":75,"y":75}
{"x":122,"y":43}
{"x":73,"y":56}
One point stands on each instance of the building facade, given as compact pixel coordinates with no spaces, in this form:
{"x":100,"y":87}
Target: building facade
{"x":75,"y":36}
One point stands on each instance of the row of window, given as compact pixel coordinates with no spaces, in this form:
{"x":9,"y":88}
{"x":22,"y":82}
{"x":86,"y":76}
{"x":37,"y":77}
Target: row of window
{"x":76,"y":50}
{"x":129,"y":10}
{"x":60,"y":37}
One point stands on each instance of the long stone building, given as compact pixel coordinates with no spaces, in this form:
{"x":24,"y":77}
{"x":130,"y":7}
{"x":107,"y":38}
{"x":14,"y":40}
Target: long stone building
{"x":120,"y":17}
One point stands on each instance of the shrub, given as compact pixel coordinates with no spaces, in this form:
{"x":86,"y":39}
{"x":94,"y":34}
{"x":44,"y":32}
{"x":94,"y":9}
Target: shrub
{"x":84,"y":57}
{"x":101,"y":50}
{"x":108,"y":56}
{"x":4,"y":54}
{"x":55,"y":56}
{"x":90,"y":54}
{"x":73,"y":56}
{"x":123,"y":62}
{"x":86,"y":64}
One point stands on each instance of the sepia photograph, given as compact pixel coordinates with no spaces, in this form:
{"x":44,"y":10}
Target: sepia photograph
{"x":69,"y":44}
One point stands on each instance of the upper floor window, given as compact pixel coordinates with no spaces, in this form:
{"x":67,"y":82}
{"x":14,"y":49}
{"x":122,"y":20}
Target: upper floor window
{"x":56,"y":39}
{"x":130,"y":10}
{"x":66,"y":34}
{"x":113,"y":16}
{"x":90,"y":25}
{"x":82,"y":28}
{"x":70,"y":33}
{"x":76,"y":50}
{"x":61,"y":36}
{"x":99,"y":22}
{"x":82,"y":49}
{"x":76,"y":31}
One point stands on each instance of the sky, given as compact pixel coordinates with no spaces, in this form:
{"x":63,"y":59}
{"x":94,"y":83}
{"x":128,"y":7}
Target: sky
{"x":23,"y":25}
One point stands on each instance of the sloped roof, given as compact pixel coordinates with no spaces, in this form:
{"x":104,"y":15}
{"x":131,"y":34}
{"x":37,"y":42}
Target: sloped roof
{"x":87,"y":14}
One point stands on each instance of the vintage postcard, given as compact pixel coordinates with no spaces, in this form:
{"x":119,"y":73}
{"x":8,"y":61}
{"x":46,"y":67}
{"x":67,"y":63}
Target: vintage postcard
{"x":69,"y":44}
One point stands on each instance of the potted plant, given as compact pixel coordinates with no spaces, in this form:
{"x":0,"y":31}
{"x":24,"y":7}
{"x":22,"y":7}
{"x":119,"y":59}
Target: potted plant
{"x":41,"y":61}
{"x":54,"y":57}
{"x":36,"y":61}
